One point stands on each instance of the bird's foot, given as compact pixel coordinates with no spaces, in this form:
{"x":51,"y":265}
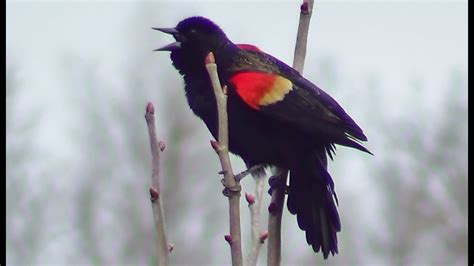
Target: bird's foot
{"x":229,"y":190}
{"x":277,"y":181}
{"x":245,"y":173}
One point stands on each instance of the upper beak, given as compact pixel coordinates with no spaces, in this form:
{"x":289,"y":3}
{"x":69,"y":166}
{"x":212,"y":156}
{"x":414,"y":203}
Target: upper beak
{"x":172,"y":46}
{"x":171,"y":31}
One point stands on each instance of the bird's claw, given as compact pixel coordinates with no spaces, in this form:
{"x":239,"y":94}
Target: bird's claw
{"x":245,"y":173}
{"x":229,"y":190}
{"x":277,"y":182}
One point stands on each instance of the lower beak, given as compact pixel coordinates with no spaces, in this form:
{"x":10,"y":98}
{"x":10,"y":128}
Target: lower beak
{"x":172,"y":46}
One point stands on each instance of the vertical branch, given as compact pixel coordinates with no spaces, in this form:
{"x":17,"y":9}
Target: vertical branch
{"x":278,"y":193}
{"x":275,"y":210}
{"x":306,"y":10}
{"x":258,"y":237}
{"x":232,"y":187}
{"x":156,"y":148}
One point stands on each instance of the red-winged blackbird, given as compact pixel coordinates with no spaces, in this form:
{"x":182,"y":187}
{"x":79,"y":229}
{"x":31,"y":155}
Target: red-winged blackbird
{"x":276,"y":118}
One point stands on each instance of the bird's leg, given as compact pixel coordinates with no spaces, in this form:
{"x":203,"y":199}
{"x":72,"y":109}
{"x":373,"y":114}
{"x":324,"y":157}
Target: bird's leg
{"x":229,"y":190}
{"x":275,"y":181}
{"x":236,"y":189}
{"x":245,"y":173}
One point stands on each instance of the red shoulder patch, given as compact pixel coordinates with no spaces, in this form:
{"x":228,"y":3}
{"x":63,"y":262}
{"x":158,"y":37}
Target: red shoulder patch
{"x":257,"y":88}
{"x":249,"y":47}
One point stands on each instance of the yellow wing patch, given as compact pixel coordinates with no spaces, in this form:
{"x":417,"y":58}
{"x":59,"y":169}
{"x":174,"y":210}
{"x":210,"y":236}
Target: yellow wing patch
{"x":280,"y":87}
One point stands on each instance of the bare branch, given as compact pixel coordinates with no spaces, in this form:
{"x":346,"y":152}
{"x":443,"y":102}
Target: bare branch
{"x":278,"y":193}
{"x":222,"y":149}
{"x":306,"y":10}
{"x":275,"y":210}
{"x":258,"y":238}
{"x":157,"y":148}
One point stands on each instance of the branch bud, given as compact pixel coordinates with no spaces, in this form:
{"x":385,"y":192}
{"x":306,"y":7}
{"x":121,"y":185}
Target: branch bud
{"x":210,"y":59}
{"x":250,"y":198}
{"x":304,"y":8}
{"x":154,"y":194}
{"x":263,"y":237}
{"x":215,"y":145}
{"x":170,"y":247}
{"x":228,"y":238}
{"x":272,"y":208}
{"x":161,"y":145}
{"x":150,"y":109}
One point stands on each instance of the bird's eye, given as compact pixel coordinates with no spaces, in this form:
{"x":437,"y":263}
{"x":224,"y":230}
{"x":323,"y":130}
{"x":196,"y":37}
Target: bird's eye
{"x":192,"y":31}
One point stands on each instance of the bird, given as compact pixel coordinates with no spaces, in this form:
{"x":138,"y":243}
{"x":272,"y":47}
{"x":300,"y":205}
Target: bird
{"x":276,"y":118}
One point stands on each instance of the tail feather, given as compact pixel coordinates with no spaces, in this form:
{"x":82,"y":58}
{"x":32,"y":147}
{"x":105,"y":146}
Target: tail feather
{"x":311,"y":198}
{"x":324,"y":230}
{"x":349,"y":141}
{"x":315,"y":233}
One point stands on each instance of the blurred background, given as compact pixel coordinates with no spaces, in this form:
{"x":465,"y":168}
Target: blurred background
{"x":79,"y":75}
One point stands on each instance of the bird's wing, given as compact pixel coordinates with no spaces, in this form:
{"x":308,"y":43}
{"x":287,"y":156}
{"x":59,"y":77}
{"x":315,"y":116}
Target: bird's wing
{"x":297,"y":102}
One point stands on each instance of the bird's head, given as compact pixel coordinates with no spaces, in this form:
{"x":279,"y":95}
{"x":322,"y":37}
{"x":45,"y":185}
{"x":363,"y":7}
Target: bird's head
{"x":195,"y":38}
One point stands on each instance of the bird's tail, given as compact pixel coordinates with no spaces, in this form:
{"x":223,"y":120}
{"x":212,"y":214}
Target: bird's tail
{"x":312,"y":198}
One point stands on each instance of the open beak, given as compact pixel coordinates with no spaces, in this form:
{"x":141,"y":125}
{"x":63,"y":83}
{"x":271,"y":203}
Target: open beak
{"x":172,"y":46}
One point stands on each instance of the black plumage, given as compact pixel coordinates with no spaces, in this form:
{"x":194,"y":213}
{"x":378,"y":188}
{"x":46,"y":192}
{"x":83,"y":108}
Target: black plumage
{"x":293,"y":128}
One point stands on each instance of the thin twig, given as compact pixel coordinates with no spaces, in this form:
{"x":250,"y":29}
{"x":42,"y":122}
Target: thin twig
{"x":278,"y":193}
{"x":222,"y":149}
{"x":306,"y":11}
{"x":258,"y":237}
{"x":275,"y":210}
{"x":157,"y":148}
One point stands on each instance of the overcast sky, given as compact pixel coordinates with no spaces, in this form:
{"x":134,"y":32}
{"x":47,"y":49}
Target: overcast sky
{"x":396,"y":42}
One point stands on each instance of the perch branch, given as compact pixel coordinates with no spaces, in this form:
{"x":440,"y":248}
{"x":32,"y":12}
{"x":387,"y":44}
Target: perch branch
{"x":232,"y":187}
{"x":157,"y":148}
{"x":306,"y":10}
{"x":278,"y":193}
{"x":275,"y":210}
{"x":258,"y":237}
